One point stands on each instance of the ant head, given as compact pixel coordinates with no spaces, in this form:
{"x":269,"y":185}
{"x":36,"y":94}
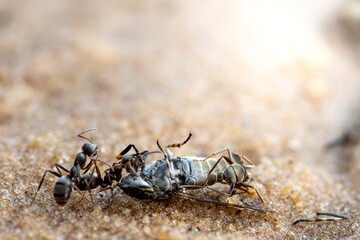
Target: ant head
{"x":90,"y":149}
{"x":116,"y":171}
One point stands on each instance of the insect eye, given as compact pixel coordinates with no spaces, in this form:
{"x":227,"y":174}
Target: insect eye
{"x":247,"y":177}
{"x":135,"y":186}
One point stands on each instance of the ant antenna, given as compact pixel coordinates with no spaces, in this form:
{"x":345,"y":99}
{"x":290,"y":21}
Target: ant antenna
{"x":148,"y":153}
{"x":158,"y":143}
{"x":81,"y":134}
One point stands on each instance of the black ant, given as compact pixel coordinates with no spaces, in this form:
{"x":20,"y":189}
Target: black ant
{"x":65,"y":183}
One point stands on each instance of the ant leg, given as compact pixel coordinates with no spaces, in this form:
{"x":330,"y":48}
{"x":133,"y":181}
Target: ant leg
{"x":332,"y":217}
{"x":111,"y":168}
{"x":107,"y":176}
{"x":98,"y":173}
{"x":246,"y":186}
{"x":145,"y":155}
{"x":92,"y":162}
{"x":126,"y":150}
{"x":252,"y":165}
{"x":87,"y":167}
{"x":178,"y":145}
{"x":58,"y":167}
{"x":58,"y":174}
{"x":87,"y":183}
{"x":242,"y":188}
{"x":167,"y":153}
{"x":98,"y":178}
{"x":169,"y":166}
{"x":98,"y":160}
{"x":92,"y":200}
{"x":216,"y":153}
{"x":235,"y":158}
{"x":82,"y":197}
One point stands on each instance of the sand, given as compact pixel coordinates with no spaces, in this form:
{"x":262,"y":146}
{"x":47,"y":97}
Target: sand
{"x":272,"y":81}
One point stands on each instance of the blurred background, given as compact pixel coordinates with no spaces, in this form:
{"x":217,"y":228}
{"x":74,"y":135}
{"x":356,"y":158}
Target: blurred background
{"x":273,"y":80}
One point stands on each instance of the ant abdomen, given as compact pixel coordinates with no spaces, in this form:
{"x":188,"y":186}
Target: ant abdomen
{"x":62,"y":190}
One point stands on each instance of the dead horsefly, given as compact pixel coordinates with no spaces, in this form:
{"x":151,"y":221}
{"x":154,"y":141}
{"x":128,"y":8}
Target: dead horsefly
{"x":322,"y":216}
{"x":130,"y":162}
{"x":169,"y":176}
{"x":74,"y":179}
